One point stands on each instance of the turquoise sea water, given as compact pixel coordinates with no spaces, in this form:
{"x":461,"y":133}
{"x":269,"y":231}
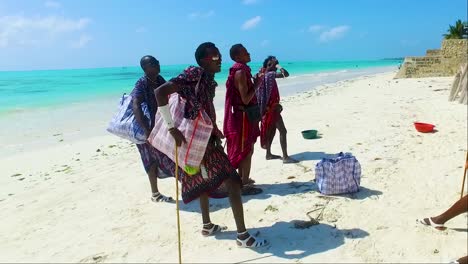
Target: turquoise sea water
{"x":25,"y":90}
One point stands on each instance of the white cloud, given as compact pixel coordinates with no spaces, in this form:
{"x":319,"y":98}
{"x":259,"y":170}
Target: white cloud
{"x":316,"y":28}
{"x":22,"y":29}
{"x":82,"y":41}
{"x":141,"y":30}
{"x":196,"y":15}
{"x":265,"y":43}
{"x":52,"y":4}
{"x":334,"y":33}
{"x":249,"y":2}
{"x":251,"y":23}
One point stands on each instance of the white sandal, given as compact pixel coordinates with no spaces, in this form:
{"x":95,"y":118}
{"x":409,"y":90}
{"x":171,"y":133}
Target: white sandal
{"x":256,"y":244}
{"x":157,"y":197}
{"x":213,"y":230}
{"x":431,"y":223}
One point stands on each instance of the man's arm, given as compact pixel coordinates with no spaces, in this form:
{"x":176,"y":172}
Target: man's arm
{"x":242,"y":85}
{"x":139,"y":116}
{"x":283,"y":73}
{"x":162,"y":92}
{"x":162,"y":96}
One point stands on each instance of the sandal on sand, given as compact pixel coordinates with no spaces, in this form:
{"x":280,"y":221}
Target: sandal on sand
{"x":157,"y":197}
{"x":249,"y":190}
{"x":250,"y":182}
{"x":256,"y":244}
{"x":272,"y":157}
{"x":290,"y":161}
{"x":429,"y":222}
{"x":213,"y":230}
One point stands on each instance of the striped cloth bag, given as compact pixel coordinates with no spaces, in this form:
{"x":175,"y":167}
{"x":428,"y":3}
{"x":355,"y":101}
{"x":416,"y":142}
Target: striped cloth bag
{"x":124,"y":124}
{"x":197,"y":133}
{"x":341,"y":174}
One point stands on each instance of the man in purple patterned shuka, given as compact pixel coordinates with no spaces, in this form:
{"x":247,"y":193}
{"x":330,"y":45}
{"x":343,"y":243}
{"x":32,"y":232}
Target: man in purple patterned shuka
{"x":144,"y":93}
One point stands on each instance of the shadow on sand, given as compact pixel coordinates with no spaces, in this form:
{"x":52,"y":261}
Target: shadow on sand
{"x":309,"y":155}
{"x":290,"y":243}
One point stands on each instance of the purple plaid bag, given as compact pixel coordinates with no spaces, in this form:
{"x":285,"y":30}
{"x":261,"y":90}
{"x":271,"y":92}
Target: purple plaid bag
{"x":124,"y":124}
{"x":338,"y":175}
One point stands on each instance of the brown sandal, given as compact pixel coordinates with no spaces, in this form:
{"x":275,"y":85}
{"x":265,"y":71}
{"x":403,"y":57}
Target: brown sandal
{"x":249,"y":190}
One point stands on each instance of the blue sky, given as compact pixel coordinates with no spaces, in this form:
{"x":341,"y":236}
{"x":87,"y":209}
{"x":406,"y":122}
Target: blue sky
{"x":56,"y":34}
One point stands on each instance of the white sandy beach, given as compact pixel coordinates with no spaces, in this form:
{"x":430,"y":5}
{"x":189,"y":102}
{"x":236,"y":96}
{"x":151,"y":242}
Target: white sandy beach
{"x":88,"y":200}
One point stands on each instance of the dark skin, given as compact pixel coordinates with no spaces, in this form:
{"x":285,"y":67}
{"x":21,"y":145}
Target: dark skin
{"x":151,"y":72}
{"x":272,"y":67}
{"x":241,"y":81}
{"x":242,"y":84}
{"x":463,"y":260}
{"x":458,"y":208}
{"x":212,"y":67}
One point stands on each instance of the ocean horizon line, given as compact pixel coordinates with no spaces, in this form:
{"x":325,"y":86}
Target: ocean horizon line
{"x":193,"y":63}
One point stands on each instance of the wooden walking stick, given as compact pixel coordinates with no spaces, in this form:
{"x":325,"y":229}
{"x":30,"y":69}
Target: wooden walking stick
{"x":177,"y":200}
{"x":464,"y":176}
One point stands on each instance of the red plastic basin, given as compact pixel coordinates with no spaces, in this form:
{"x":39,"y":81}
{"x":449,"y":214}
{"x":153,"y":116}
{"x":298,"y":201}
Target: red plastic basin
{"x":424,"y":127}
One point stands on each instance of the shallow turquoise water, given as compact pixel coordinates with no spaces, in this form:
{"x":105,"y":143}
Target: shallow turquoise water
{"x":26,"y":90}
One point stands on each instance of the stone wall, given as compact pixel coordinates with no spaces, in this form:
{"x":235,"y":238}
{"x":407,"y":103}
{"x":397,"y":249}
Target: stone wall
{"x":433,"y":52}
{"x":436,"y":63}
{"x":454,"y":48}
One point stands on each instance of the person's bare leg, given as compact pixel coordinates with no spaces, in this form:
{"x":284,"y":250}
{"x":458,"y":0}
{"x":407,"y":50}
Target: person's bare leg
{"x":283,"y":141}
{"x":235,"y":200}
{"x":244,"y":168}
{"x":153,"y":178}
{"x":270,"y":137}
{"x":461,"y":206}
{"x":463,"y":260}
{"x":205,"y":208}
{"x":205,"y":211}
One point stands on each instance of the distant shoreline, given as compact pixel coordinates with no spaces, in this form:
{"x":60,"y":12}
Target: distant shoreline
{"x":32,"y":90}
{"x":179,"y":64}
{"x":34,"y":128}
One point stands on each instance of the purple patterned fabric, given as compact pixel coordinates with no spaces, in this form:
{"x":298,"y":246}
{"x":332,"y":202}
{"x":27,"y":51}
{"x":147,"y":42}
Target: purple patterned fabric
{"x":264,"y":91}
{"x":146,"y":95}
{"x":187,"y":80}
{"x":218,"y":168}
{"x":338,"y":175}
